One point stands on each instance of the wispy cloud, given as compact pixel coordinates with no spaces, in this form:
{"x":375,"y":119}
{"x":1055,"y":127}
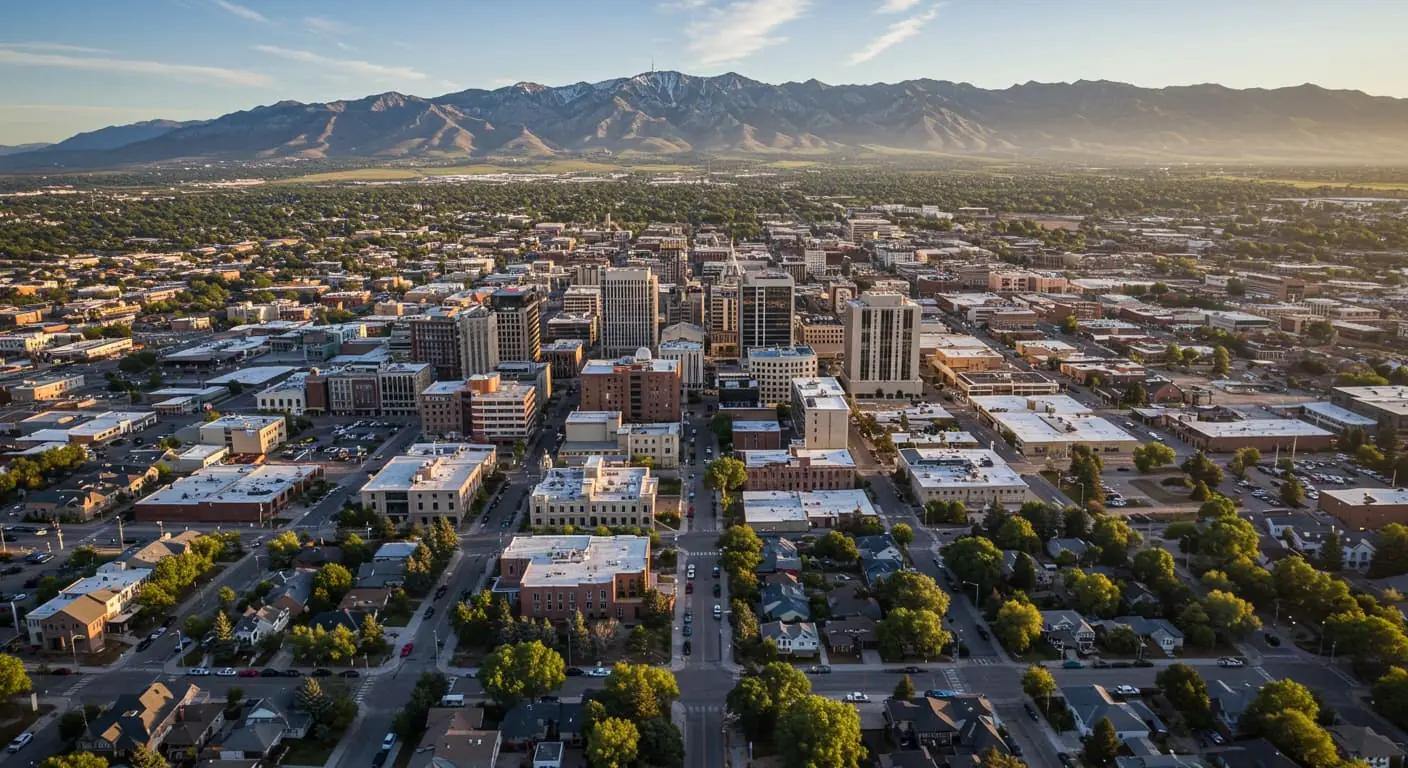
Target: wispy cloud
{"x":189,"y":72}
{"x":682,"y":5}
{"x":248,"y":14}
{"x":897,"y":6}
{"x":740,"y":29}
{"x":60,"y":47}
{"x":898,"y":32}
{"x":327,"y":26}
{"x":344,"y":66}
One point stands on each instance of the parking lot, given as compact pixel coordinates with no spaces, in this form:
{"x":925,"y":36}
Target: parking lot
{"x":337,"y":441}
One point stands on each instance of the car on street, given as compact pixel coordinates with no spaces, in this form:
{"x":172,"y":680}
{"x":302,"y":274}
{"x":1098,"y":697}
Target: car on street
{"x":1126,"y":690}
{"x":292,"y":673}
{"x":689,"y":587}
{"x":249,"y":673}
{"x":1065,"y":758}
{"x":718,"y":611}
{"x":197,"y":671}
{"x":689,"y":571}
{"x":322,"y":672}
{"x":1213,"y":736}
{"x":406,"y":649}
{"x":718,"y":590}
{"x":20,"y":598}
{"x":20,"y":742}
{"x":270,"y":673}
{"x":388,"y":741}
{"x":688,"y":630}
{"x":575,"y":672}
{"x":819,"y":669}
{"x":1031,"y":712}
{"x":144,"y":644}
{"x":983,"y":633}
{"x":716,"y":571}
{"x":1073,"y":664}
{"x":912,"y":670}
{"x":226,"y":672}
{"x":1272,"y":640}
{"x":1230,"y":661}
{"x":856,"y":697}
{"x":598,"y":671}
{"x":688,"y":648}
{"x":349,"y":673}
{"x":429,"y":611}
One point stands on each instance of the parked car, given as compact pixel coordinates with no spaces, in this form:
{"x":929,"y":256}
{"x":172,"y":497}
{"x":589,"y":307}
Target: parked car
{"x":688,"y":648}
{"x":718,"y":590}
{"x":1072,"y":664}
{"x":349,"y":673}
{"x":856,"y":697}
{"x":292,"y":673}
{"x":226,"y":672}
{"x":598,"y":671}
{"x":20,"y":742}
{"x":1272,"y":640}
{"x":321,"y":672}
{"x":819,"y":669}
{"x":1126,"y":690}
{"x":197,"y":671}
{"x":1031,"y":712}
{"x":1231,"y":661}
{"x":575,"y":672}
{"x":270,"y":673}
{"x":249,"y":673}
{"x":388,"y":741}
{"x":406,"y":649}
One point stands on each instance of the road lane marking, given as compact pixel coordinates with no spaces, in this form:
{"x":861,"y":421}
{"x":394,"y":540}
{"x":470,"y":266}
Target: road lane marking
{"x":1264,"y":674}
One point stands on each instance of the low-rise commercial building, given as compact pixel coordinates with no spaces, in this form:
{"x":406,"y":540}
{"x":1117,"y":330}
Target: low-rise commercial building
{"x":45,"y":388}
{"x":1005,"y":383}
{"x":756,"y":435}
{"x":89,"y":349}
{"x":1048,"y":427}
{"x":248,"y":435}
{"x":820,"y":413}
{"x":229,"y":494}
{"x":288,"y":396}
{"x":432,"y":481}
{"x":77,"y":619}
{"x":799,"y":469}
{"x":596,"y":493}
{"x":1266,"y":435}
{"x":976,"y":477}
{"x":554,"y":577}
{"x":601,"y":433}
{"x":801,"y":511}
{"x":1366,"y":509}
{"x":1388,"y":406}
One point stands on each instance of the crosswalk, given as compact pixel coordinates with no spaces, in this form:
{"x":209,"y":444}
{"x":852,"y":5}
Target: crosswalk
{"x":703,"y":709}
{"x":704,"y":553}
{"x":82,"y":683}
{"x":982,"y":661}
{"x":362,"y":691}
{"x":954,"y":681}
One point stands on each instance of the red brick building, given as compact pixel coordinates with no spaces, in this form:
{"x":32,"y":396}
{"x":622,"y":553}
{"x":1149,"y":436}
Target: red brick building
{"x":800,"y":469}
{"x":757,"y":435}
{"x":555,"y":576}
{"x":645,"y":390}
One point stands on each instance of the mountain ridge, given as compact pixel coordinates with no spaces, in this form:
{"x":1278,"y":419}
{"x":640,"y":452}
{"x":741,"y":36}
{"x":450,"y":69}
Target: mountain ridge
{"x":667,"y":112}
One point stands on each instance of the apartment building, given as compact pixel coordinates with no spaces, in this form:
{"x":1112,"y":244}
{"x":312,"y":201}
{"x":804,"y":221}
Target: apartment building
{"x":1277,"y":287}
{"x":765,"y":307}
{"x":690,"y":357}
{"x":774,"y":368}
{"x":431,"y":481}
{"x":596,"y":493}
{"x":499,"y":411}
{"x":820,"y":413}
{"x":246,"y":435}
{"x":444,"y":409}
{"x":825,"y":334}
{"x":630,"y":308}
{"x":882,"y":346}
{"x":582,"y":300}
{"x":435,"y":340}
{"x":519,"y":323}
{"x":564,"y":357}
{"x":799,"y":469}
{"x":77,"y":619}
{"x":479,"y":340}
{"x":601,"y":433}
{"x":557,"y":576}
{"x":644,"y":389}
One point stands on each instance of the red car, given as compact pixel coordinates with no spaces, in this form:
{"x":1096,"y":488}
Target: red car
{"x":406,"y":649}
{"x":689,"y":588}
{"x":249,"y":673}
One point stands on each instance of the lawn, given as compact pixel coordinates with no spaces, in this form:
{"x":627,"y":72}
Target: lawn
{"x":309,"y":751}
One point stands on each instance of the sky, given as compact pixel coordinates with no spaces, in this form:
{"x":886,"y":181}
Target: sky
{"x":78,"y":65}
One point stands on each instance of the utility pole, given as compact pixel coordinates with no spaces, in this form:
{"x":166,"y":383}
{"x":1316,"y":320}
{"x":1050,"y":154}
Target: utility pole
{"x":59,"y":531}
{"x":121,"y":539}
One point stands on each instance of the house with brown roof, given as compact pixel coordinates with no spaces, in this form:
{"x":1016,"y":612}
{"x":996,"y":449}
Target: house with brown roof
{"x":371,"y":600}
{"x":135,"y":719}
{"x":155,"y":552}
{"x":455,"y":737}
{"x":81,"y":624}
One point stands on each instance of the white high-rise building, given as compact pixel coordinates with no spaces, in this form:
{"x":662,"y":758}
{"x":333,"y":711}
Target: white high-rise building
{"x":882,"y":346}
{"x":690,"y":355}
{"x":630,"y":301}
{"x":479,"y":341}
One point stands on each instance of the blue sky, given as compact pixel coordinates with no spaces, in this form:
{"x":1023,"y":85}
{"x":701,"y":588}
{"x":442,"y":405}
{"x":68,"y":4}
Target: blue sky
{"x":73,"y":65}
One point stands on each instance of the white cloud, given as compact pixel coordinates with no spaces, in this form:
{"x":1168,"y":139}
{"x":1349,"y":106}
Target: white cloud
{"x":326,"y":26}
{"x":897,"y":6}
{"x":898,"y":32}
{"x":344,"y":66}
{"x":189,"y":72}
{"x":682,"y":5}
{"x":61,"y":47}
{"x":248,"y":14}
{"x":740,"y":29}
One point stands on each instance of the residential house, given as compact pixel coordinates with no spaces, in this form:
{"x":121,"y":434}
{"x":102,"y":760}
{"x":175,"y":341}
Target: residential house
{"x":195,"y":726}
{"x":798,"y":639}
{"x":967,"y":721}
{"x":1229,"y":702}
{"x":385,"y":574}
{"x":1092,"y":703}
{"x":1160,"y":632}
{"x":167,"y":546}
{"x":530,"y":722}
{"x":330,"y":620}
{"x":1358,"y":742}
{"x":292,"y":590}
{"x":1257,"y":753}
{"x":314,"y":558}
{"x":852,"y":634}
{"x":281,"y":712}
{"x":70,"y":504}
{"x":910,"y":758}
{"x":783,"y":599}
{"x":1009,"y":566}
{"x":1067,"y":630}
{"x":844,"y":602}
{"x":780,"y":554}
{"x":254,"y":625}
{"x":1144,"y":753}
{"x":395,"y":551}
{"x":1077,"y":547}
{"x":456,"y":738}
{"x":371,"y":600}
{"x":135,"y":720}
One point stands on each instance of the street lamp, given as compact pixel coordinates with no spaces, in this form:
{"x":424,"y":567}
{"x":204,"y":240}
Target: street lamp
{"x":975,"y":592}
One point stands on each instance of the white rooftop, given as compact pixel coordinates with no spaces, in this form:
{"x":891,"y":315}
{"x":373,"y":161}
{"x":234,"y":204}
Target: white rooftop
{"x":1256,"y":428}
{"x":1360,"y":497}
{"x":233,"y":484}
{"x":422,"y":473}
{"x":252,"y":376}
{"x":1340,"y":415}
{"x":597,"y":480}
{"x":573,"y":560}
{"x":959,"y":467}
{"x":819,"y":457}
{"x":798,"y":506}
{"x":1060,"y":404}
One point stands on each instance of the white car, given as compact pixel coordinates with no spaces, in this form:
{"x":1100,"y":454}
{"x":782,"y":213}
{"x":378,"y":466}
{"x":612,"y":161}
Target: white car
{"x":598,"y":672}
{"x":1126,"y":690}
{"x":20,"y":742}
{"x":226,"y":672}
{"x":1230,"y":661}
{"x":198,"y":672}
{"x":689,"y":572}
{"x":856,"y":697}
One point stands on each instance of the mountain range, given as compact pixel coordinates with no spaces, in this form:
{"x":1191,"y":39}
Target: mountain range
{"x":669,"y":113}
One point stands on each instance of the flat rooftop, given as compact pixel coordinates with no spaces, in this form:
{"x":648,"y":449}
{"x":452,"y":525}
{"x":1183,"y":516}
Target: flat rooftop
{"x":233,"y":484}
{"x":1001,"y":377}
{"x":592,"y":417}
{"x":572,"y":560}
{"x":654,"y":365}
{"x":1368,"y":497}
{"x":424,"y":474}
{"x":1256,"y":428}
{"x":820,"y":386}
{"x":1035,"y":427}
{"x":959,"y":468}
{"x":781,"y":353}
{"x":1062,"y":404}
{"x":243,"y":421}
{"x":598,"y":481}
{"x":253,"y":376}
{"x":818,"y":457}
{"x":756,"y":426}
{"x":443,"y":388}
{"x":1393,"y":399}
{"x":799,"y":506}
{"x":1340,"y":415}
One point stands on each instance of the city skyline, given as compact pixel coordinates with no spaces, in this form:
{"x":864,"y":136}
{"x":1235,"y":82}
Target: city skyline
{"x":94,"y":65}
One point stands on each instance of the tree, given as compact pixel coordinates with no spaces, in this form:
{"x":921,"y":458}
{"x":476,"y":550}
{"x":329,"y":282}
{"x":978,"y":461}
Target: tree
{"x":904,"y":689}
{"x":1086,"y":467}
{"x":938,"y":511}
{"x":661,"y":743}
{"x":1187,"y":692}
{"x":1115,"y":538}
{"x":372,"y":637}
{"x":1202,"y":469}
{"x":725,"y":475}
{"x":1102,"y":745}
{"x":1093,"y":593}
{"x":1292,"y":492}
{"x":310,"y":697}
{"x":1017,"y":533}
{"x":1038,"y":683}
{"x":921,"y":631}
{"x":282,"y":549}
{"x":637,"y":691}
{"x":234,"y":699}
{"x":72,"y":724}
{"x":913,"y":590}
{"x":1221,"y":361}
{"x":142,"y":757}
{"x":817,"y":731}
{"x":902,"y":534}
{"x":224,"y":630}
{"x":1070,"y":324}
{"x":1217,"y":506}
{"x":1274,"y":698}
{"x":760,"y":698}
{"x":740,"y":538}
{"x":1244,"y":459}
{"x":1228,"y":538}
{"x":975,"y":559}
{"x":1331,"y":555}
{"x":227,"y":598}
{"x":512,"y":673}
{"x":13,"y":679}
{"x":75,"y":760}
{"x":1023,"y":573}
{"x":1391,"y":555}
{"x":1076,"y":521}
{"x":991,"y":758}
{"x":1391,"y":695}
{"x":1374,"y":641}
{"x":613,"y":743}
{"x":1151,"y":455}
{"x":1017,"y":625}
{"x":1230,"y":614}
{"x":442,"y":540}
{"x":836,"y":546}
{"x":1301,"y":739}
{"x":1153,"y":566}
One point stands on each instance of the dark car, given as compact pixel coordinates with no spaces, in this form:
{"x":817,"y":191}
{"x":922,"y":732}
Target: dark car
{"x":14,"y":569}
{"x":168,"y":621}
{"x":1031,"y":712}
{"x":1143,"y":663}
{"x":983,"y":633}
{"x":439,"y":593}
{"x":1064,"y":758}
{"x":320,"y":672}
{"x":718,"y":590}
{"x":292,"y":673}
{"x":1272,"y":640}
{"x":379,"y":759}
{"x":688,"y":647}
{"x":912,"y":670}
{"x":144,"y":644}
{"x":549,"y":699}
{"x":575,"y":672}
{"x":61,"y":671}
{"x":349,"y":673}
{"x":429,"y":611}
{"x":270,"y":673}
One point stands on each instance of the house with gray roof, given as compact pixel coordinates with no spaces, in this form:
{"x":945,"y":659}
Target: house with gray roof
{"x":292,"y":591}
{"x":967,"y":721}
{"x":1009,"y":566}
{"x":1358,"y":742}
{"x":785,"y":601}
{"x":796,"y":639}
{"x":1077,"y":547}
{"x":1229,"y":702}
{"x":1067,"y":630}
{"x":1161,"y":632}
{"x":530,"y":722}
{"x":1092,"y":703}
{"x":779,"y":554}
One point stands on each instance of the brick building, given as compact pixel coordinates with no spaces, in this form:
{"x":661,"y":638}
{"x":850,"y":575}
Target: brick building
{"x":799,"y":469}
{"x":644,"y":389}
{"x":555,"y":576}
